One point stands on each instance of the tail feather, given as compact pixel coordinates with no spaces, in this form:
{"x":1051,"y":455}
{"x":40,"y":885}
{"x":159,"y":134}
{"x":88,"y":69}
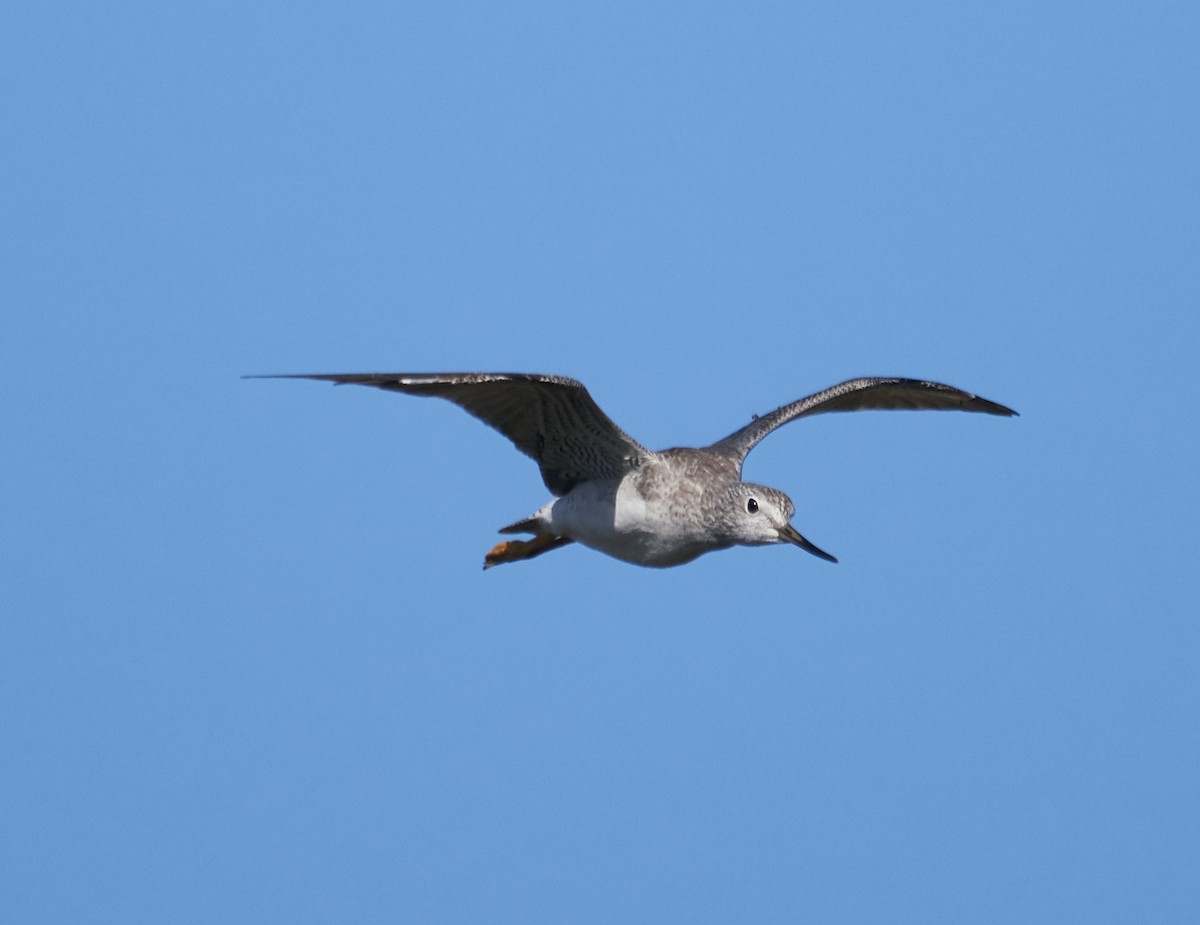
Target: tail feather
{"x":528,"y":525}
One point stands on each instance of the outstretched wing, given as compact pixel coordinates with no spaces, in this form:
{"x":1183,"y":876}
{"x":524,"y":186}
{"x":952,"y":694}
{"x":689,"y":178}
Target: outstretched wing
{"x":550,"y":418}
{"x":873,"y":394}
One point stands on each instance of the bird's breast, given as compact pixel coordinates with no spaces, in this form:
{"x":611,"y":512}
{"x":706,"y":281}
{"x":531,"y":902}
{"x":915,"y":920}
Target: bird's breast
{"x":617,"y":518}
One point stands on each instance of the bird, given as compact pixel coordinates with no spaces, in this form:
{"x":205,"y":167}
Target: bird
{"x":654,"y":508}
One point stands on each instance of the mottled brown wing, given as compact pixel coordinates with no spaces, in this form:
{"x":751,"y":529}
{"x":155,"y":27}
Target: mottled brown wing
{"x":859,"y":395}
{"x":550,"y":418}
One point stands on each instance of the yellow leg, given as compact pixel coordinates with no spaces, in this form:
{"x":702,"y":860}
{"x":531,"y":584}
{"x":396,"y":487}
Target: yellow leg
{"x":514,"y":550}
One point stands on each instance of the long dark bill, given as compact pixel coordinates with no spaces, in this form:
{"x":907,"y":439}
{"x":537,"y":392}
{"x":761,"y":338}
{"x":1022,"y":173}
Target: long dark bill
{"x":792,"y":535}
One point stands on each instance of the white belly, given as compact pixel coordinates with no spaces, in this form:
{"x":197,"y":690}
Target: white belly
{"x":615,"y":519}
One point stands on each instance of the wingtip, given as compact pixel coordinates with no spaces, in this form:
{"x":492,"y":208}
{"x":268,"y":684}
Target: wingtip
{"x":992,"y":407}
{"x":316,"y":377}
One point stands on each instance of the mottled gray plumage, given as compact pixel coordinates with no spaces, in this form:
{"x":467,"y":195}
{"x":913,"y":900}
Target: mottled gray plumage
{"x":651,"y":508}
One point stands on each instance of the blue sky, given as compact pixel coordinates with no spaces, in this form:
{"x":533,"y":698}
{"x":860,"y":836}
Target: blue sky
{"x":250,"y":669}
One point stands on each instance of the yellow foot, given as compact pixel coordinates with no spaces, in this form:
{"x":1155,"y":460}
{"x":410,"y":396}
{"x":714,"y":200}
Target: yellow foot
{"x":514,"y":550}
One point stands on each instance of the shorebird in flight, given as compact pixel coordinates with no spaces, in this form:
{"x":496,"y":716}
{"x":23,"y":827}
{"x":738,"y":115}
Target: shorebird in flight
{"x":656,"y":508}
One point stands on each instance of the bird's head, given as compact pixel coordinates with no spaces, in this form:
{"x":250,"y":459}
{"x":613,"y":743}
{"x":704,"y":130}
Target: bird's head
{"x":760,"y":516}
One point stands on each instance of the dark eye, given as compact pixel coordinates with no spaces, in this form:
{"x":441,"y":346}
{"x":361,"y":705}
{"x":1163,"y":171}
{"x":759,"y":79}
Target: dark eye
{"x":751,"y":506}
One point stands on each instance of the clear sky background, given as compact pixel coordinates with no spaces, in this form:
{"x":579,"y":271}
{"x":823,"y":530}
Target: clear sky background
{"x":250,"y":669}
